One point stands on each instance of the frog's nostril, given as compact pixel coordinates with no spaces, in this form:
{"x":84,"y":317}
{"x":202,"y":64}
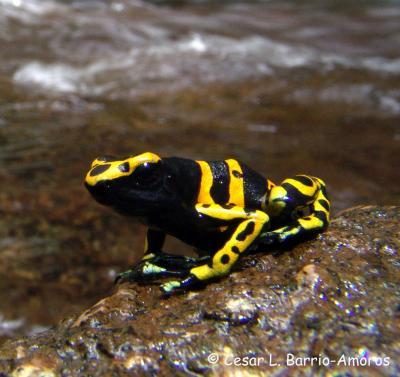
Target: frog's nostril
{"x":124,"y":167}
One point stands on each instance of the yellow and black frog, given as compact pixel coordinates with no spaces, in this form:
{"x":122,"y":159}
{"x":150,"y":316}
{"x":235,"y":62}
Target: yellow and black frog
{"x":222,"y":208}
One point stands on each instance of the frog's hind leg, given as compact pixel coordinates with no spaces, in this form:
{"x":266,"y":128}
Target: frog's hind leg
{"x":250,"y":224}
{"x":165,"y":264}
{"x":160,"y":265}
{"x":302,"y":199}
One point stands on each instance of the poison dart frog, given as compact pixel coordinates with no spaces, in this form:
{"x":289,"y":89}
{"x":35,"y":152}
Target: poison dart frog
{"x":221,"y":208}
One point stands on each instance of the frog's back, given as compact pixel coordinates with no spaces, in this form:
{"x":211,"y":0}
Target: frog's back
{"x":225,"y":182}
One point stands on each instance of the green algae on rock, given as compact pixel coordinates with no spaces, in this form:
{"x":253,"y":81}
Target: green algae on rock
{"x":332,"y":300}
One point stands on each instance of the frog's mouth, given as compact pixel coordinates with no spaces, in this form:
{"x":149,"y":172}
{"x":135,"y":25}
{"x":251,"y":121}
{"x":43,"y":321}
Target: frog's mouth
{"x":105,"y":193}
{"x":100,"y":192}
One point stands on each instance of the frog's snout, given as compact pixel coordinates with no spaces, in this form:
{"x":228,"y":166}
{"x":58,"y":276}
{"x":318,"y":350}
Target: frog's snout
{"x":100,"y":192}
{"x":107,"y":168}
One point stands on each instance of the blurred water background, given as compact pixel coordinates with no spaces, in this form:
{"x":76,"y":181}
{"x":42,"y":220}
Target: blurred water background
{"x":286,"y":86}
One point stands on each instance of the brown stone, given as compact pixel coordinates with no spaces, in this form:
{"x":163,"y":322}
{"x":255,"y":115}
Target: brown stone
{"x":334,"y":298}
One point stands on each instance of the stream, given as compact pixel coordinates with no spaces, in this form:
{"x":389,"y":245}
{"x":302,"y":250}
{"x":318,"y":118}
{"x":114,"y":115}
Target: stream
{"x":287,"y":87}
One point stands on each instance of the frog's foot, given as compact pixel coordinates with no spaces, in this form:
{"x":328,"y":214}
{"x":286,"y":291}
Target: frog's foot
{"x":159,"y":266}
{"x":179,"y":285}
{"x":147,"y":270}
{"x":177,"y":262}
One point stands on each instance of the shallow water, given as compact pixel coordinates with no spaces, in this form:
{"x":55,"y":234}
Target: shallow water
{"x":286,"y":87}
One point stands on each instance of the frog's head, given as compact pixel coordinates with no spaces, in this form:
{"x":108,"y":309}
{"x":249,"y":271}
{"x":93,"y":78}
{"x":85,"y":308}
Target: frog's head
{"x":134,"y":185}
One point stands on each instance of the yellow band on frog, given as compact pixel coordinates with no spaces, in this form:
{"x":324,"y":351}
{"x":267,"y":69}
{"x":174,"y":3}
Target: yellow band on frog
{"x":205,"y":183}
{"x":236,"y":189}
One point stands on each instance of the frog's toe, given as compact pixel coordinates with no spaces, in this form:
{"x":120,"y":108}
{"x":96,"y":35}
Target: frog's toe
{"x":170,"y":287}
{"x":269,"y":238}
{"x":140,"y":272}
{"x":125,"y":276}
{"x":177,"y":285}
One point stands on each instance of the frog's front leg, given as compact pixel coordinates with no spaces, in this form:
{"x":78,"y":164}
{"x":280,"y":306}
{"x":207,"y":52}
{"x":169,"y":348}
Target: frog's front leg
{"x":290,"y":200}
{"x":251,"y":224}
{"x":157,"y":264}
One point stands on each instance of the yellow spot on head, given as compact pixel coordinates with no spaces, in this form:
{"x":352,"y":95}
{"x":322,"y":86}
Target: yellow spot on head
{"x":107,"y":170}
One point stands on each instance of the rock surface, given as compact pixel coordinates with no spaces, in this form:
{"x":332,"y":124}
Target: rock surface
{"x":335,"y":298}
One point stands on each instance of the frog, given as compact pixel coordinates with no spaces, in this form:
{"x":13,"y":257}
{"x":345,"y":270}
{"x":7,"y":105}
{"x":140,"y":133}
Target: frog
{"x":223,"y":209}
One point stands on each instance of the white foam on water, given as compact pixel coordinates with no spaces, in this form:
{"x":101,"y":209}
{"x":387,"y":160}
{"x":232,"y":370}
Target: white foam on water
{"x":196,"y":57}
{"x":196,"y":43}
{"x":28,"y":10}
{"x":117,"y":6}
{"x":366,"y":95}
{"x":32,"y":6}
{"x":371,"y":63}
{"x":390,"y":104}
{"x":50,"y":77}
{"x":381,"y":64}
{"x":122,"y":47}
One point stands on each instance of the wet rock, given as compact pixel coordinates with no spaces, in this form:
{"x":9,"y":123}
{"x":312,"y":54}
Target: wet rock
{"x":332,"y":302}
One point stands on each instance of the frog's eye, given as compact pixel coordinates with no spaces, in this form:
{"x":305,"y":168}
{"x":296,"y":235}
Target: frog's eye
{"x":147,"y":174}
